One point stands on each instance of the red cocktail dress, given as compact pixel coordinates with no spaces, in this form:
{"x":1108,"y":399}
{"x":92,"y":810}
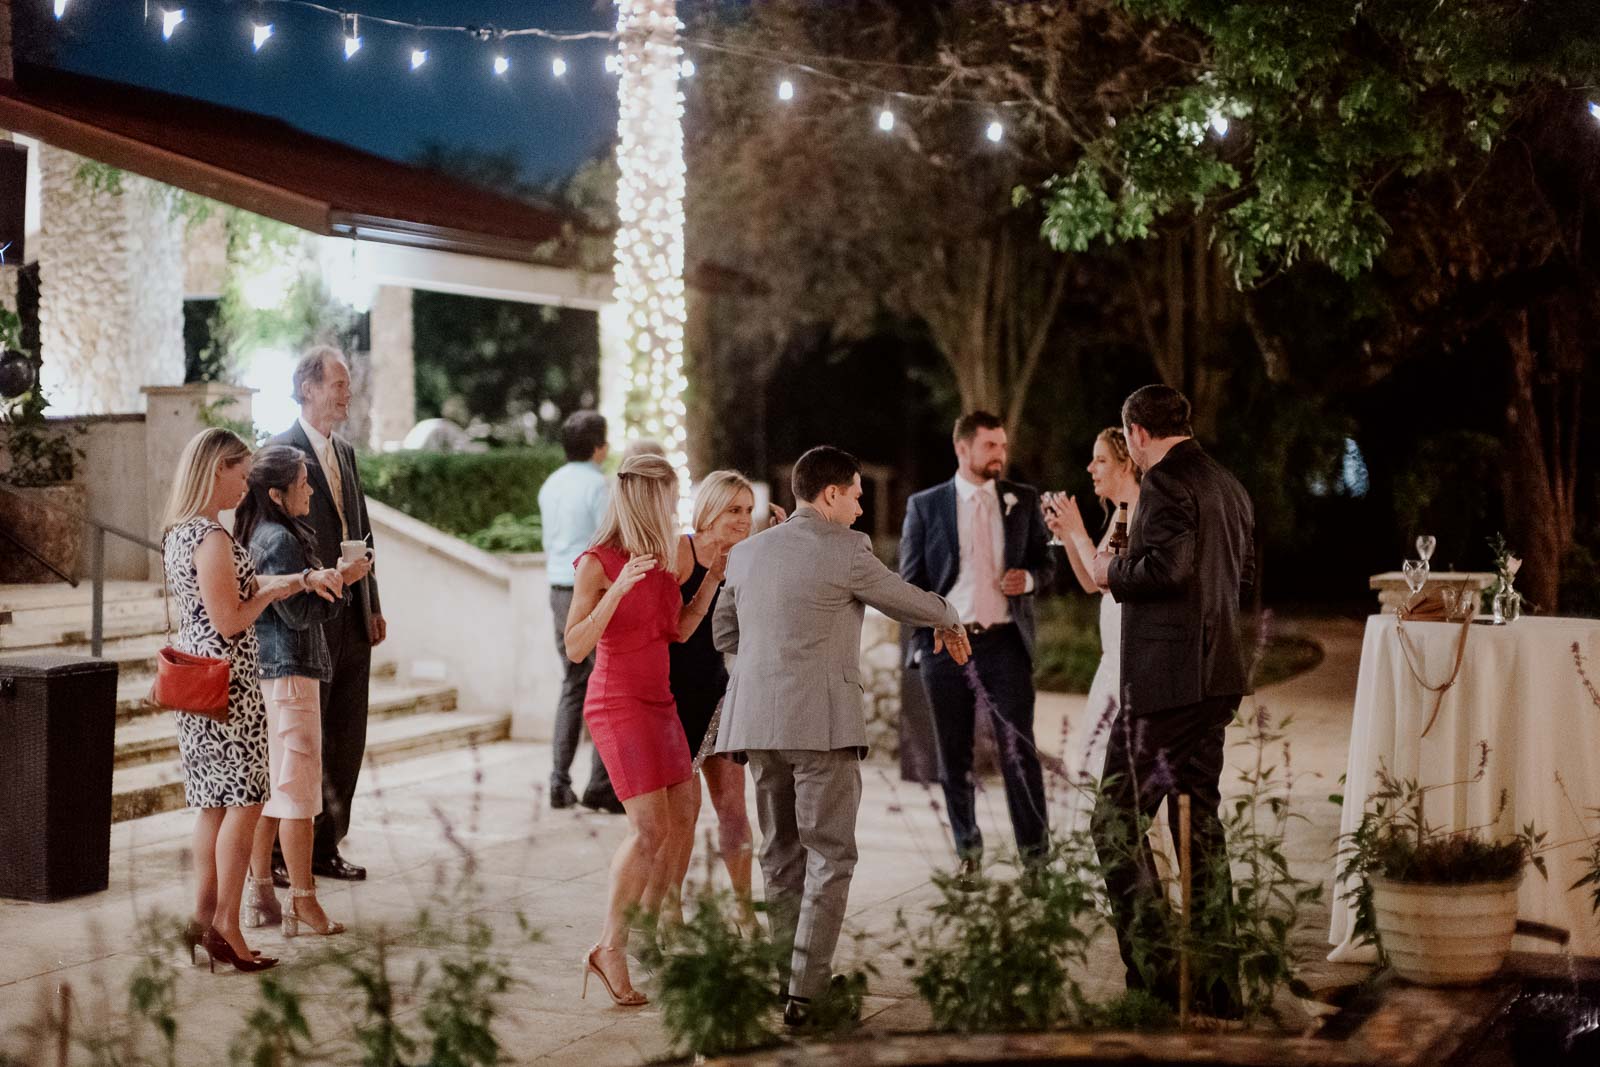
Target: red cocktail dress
{"x":629,"y":707}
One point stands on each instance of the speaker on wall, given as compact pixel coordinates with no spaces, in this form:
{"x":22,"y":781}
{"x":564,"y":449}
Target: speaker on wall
{"x":13,"y":202}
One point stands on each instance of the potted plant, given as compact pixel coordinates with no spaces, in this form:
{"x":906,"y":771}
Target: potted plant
{"x":40,"y":504}
{"x":1441,"y":905}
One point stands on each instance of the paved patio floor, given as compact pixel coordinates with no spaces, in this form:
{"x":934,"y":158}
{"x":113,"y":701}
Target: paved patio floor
{"x":412,"y":822}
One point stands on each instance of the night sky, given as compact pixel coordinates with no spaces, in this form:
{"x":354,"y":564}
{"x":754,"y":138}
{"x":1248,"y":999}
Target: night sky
{"x":374,"y":101}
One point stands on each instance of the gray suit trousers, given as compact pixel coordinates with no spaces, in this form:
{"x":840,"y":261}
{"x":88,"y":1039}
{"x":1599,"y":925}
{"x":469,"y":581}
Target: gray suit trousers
{"x":807,"y":803}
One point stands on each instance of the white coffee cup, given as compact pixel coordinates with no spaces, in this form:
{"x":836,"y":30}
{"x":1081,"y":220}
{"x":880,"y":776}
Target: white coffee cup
{"x":349,"y":551}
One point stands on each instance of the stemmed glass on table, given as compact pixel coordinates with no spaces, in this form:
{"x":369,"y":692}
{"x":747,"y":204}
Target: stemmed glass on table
{"x":1416,"y":574}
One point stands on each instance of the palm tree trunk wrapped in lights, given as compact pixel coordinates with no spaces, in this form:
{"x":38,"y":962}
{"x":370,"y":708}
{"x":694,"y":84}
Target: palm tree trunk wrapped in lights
{"x":650,"y":189}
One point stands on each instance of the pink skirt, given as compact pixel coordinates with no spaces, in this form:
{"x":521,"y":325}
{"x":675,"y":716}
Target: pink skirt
{"x":294,"y":747}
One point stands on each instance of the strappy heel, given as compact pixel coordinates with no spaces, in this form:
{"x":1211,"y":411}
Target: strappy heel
{"x":260,"y":906}
{"x":630,"y":998}
{"x":293,"y":920}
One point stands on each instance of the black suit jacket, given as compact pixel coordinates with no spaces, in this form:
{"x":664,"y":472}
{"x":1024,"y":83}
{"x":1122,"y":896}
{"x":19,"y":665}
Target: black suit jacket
{"x":324,"y":520}
{"x":1190,"y":562}
{"x":930,"y":552}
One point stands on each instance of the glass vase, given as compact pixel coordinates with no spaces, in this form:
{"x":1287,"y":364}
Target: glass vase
{"x":1507,"y":604}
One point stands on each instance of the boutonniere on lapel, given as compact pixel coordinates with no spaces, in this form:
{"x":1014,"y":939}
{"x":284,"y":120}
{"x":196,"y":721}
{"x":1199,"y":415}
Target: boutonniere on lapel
{"x":1010,"y":500}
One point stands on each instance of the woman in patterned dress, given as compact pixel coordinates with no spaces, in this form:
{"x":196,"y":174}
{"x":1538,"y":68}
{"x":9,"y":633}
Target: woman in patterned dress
{"x":627,"y":609}
{"x":218,"y":598}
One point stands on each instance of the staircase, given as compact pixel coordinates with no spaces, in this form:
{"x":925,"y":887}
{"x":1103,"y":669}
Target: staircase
{"x":405,"y":720}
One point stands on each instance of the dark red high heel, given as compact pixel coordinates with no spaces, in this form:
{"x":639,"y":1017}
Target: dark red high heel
{"x":217,"y":948}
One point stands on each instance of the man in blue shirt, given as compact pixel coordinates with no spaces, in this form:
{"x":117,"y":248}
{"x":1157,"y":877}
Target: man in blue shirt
{"x":572,"y":502}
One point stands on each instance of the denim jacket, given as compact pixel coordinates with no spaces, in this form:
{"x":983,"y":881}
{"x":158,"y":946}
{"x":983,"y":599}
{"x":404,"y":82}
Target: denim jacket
{"x":290,"y":631}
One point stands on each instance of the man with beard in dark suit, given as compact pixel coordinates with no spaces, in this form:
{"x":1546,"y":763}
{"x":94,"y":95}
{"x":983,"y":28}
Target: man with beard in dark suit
{"x":1189,"y":561}
{"x":338,"y":513}
{"x":980,"y":541}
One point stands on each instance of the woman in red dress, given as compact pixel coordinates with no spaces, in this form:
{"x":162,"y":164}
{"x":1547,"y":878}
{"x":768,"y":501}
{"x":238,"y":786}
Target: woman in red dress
{"x":627,"y":608}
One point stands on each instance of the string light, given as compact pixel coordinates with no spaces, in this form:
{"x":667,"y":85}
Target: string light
{"x":170,"y":20}
{"x":61,"y":8}
{"x":995,"y":131}
{"x":652,"y":307}
{"x":558,"y":67}
{"x":611,"y":64}
{"x":1219,"y":123}
{"x":419,"y":56}
{"x":352,"y":37}
{"x":886,"y":120}
{"x":501,"y":64}
{"x":261,"y":34}
{"x":786,"y":90}
{"x":1594,"y":109}
{"x":686,"y":68}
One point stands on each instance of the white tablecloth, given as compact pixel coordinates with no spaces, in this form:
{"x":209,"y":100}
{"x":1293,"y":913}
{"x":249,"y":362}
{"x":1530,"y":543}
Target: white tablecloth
{"x":1520,"y":691}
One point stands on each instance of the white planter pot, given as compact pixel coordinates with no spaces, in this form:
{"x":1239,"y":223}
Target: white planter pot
{"x":1445,"y":935}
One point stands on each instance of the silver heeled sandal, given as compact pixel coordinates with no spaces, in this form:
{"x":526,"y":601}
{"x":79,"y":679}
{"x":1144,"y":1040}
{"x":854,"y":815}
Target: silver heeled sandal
{"x":293,"y":920}
{"x":260,"y":906}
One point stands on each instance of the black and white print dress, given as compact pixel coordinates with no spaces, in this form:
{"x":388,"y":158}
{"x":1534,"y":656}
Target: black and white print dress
{"x":224,"y":764}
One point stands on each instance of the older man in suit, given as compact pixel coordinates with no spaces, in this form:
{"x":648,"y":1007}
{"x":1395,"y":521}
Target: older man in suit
{"x":1189,"y":564}
{"x":791,"y":611}
{"x":981,"y":541}
{"x":338,"y":513}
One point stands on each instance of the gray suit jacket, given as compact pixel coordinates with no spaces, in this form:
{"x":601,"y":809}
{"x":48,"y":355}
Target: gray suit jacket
{"x":791,"y":610}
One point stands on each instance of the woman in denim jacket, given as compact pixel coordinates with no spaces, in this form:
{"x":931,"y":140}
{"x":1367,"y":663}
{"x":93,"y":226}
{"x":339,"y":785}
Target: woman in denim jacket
{"x":294,"y":664}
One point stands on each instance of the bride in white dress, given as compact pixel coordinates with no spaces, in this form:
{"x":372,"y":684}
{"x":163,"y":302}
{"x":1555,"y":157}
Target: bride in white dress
{"x":1116,"y":481}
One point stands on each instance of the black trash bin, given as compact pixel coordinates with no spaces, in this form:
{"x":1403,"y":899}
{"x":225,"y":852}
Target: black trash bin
{"x":58,"y":717}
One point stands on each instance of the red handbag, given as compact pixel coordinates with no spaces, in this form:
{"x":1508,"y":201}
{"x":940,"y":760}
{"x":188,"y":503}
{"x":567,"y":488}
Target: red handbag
{"x":184,"y":681}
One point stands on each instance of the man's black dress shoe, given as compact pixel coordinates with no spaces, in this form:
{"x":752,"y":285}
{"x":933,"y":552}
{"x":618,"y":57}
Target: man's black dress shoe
{"x":562,"y":796}
{"x":607,"y":803}
{"x":797,"y":1012}
{"x":336,"y":866}
{"x":280,"y":872}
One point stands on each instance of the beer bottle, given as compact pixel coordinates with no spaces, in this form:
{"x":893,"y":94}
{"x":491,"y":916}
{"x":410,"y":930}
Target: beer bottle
{"x":1118,"y":545}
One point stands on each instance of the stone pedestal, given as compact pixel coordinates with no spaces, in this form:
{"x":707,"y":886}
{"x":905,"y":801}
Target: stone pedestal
{"x":537,"y":670}
{"x":173,"y":415}
{"x":391,"y":382}
{"x":1392,"y":589}
{"x":110,"y":289}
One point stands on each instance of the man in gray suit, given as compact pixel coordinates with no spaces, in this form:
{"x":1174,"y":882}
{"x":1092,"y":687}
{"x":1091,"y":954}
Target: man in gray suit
{"x":791,"y":612}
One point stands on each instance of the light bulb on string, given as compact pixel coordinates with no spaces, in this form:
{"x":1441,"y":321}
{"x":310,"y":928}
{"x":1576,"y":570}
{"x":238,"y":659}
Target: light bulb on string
{"x":1219,"y":123}
{"x":612,"y":63}
{"x":686,"y":68}
{"x":995,"y":131}
{"x":786,"y":90}
{"x":352,"y":37}
{"x":886,"y":120}
{"x":419,"y":56}
{"x":170,"y":20}
{"x":259,"y":36}
{"x":558,"y":67}
{"x":501,"y":64}
{"x":1594,"y":110}
{"x":61,"y":8}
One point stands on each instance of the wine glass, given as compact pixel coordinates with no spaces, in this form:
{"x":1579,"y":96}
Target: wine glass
{"x":1416,"y":573}
{"x":1048,"y":504}
{"x":1425,"y":546}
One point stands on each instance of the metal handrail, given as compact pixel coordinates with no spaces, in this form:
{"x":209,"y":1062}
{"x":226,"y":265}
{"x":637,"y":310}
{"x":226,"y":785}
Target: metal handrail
{"x":97,"y":556}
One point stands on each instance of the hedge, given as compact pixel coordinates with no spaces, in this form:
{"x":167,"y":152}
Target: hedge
{"x":461,"y":492}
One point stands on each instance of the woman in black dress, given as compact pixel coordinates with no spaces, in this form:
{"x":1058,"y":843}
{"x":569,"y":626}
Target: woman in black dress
{"x":723,"y":508}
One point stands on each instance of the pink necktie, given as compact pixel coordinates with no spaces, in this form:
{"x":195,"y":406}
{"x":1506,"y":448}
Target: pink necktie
{"x":988,"y":604}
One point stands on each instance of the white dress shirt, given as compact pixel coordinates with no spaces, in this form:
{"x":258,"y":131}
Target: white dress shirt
{"x":962,"y":594}
{"x":328,"y":459}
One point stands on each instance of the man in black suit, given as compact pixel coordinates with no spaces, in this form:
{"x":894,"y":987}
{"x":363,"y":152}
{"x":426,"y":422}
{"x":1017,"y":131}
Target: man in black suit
{"x":338,"y":513}
{"x":980,"y":542}
{"x":1189,"y":561}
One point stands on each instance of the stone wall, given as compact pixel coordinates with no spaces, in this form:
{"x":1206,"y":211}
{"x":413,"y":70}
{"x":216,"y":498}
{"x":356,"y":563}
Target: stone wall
{"x":391,"y":381}
{"x":111,"y":290}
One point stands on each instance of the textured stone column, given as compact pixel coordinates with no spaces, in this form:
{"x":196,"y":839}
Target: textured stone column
{"x":111,"y":290}
{"x":392,"y":377}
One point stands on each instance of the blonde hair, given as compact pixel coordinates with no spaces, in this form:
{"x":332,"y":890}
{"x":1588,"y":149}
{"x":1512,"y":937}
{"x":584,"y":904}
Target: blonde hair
{"x":206,"y":453}
{"x":716,"y":494}
{"x":639,"y":518}
{"x":1117,"y":441}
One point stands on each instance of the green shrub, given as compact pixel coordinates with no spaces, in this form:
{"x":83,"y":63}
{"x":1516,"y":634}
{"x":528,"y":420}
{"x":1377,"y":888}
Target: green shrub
{"x":507,"y":533}
{"x":1068,"y":650}
{"x":461,"y":493}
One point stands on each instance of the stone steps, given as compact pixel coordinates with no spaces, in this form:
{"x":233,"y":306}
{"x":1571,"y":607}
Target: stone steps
{"x":151,"y":788}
